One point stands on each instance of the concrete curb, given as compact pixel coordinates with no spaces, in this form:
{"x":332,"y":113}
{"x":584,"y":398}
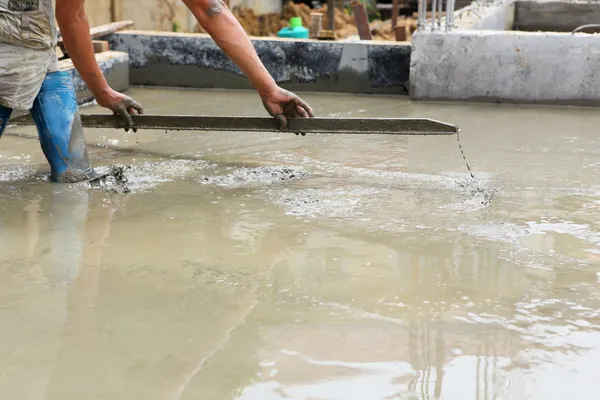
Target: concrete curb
{"x":489,"y":60}
{"x":194,"y":60}
{"x":514,"y":67}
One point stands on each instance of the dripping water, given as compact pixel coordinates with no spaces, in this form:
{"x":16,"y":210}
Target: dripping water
{"x":487,"y":195}
{"x":463,"y":156}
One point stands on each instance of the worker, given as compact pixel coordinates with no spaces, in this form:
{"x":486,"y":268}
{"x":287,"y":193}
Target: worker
{"x":30,"y":78}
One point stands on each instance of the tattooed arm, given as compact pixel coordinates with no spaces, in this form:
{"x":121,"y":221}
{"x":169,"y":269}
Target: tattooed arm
{"x":226,"y":31}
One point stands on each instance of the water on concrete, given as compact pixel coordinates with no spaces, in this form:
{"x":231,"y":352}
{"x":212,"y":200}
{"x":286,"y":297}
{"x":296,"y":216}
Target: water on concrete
{"x":276,"y":266}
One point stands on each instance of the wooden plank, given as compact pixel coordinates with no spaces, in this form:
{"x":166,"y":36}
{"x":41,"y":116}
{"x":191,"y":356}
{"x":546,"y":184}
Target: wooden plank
{"x":331,"y":15}
{"x":362,"y":20}
{"x":106,"y":29}
{"x":395,"y":7}
{"x":400,"y":32}
{"x":100,"y":46}
{"x":99,"y":31}
{"x":316,"y":25}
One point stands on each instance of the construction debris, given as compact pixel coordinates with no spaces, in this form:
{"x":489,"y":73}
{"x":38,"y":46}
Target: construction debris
{"x":344,"y":23}
{"x":97,"y":32}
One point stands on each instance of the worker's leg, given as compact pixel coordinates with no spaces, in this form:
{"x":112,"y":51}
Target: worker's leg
{"x":56,"y":115}
{"x":4,"y":117}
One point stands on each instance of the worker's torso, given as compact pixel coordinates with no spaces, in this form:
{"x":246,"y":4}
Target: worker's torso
{"x":27,"y":50}
{"x":27,"y":23}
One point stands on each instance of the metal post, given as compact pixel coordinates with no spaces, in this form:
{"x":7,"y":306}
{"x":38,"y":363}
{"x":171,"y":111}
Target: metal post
{"x":449,"y":15}
{"x":440,"y":9}
{"x":433,"y":9}
{"x":421,"y":14}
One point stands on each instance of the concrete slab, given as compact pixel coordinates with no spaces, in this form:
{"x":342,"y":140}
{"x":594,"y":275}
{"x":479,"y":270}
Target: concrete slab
{"x":517,"y":67}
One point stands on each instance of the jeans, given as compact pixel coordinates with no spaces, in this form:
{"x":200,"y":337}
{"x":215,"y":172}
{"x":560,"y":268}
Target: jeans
{"x":56,"y":115}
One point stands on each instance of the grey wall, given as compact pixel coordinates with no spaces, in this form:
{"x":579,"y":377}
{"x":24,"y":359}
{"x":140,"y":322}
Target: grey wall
{"x":196,"y":61}
{"x":506,"y":66}
{"x":554,"y":16}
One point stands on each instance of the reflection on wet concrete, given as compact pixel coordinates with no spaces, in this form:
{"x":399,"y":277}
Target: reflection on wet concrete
{"x":368,"y":275}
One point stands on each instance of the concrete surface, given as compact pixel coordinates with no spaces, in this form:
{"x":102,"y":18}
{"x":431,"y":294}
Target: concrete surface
{"x":262,"y":266}
{"x":194,"y":60}
{"x":495,"y":17}
{"x":554,"y":16}
{"x":506,"y":66}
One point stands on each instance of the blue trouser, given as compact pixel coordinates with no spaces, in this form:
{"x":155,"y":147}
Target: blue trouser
{"x":56,"y":115}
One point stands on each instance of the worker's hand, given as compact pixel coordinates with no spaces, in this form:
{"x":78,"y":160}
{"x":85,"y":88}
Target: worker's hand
{"x":121,"y":105}
{"x":283,"y":104}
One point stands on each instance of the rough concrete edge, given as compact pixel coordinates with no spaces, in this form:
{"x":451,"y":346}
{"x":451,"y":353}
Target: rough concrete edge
{"x":113,"y":64}
{"x":253,"y":38}
{"x":361,"y":69}
{"x":493,"y":32}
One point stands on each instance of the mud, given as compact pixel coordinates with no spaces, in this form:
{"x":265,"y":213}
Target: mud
{"x":113,"y":180}
{"x":248,"y":265}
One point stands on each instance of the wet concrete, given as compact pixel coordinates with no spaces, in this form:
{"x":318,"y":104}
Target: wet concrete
{"x":272,"y":266}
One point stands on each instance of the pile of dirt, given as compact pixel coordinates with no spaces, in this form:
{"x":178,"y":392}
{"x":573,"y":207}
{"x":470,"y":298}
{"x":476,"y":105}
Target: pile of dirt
{"x":382,"y":30}
{"x":259,"y":25}
{"x":269,"y":24}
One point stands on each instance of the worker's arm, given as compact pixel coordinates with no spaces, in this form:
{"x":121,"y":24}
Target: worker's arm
{"x":75,"y":30}
{"x":226,"y":31}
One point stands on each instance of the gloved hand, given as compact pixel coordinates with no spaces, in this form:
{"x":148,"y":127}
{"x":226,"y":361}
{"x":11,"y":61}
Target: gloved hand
{"x":283,"y":104}
{"x":121,"y":105}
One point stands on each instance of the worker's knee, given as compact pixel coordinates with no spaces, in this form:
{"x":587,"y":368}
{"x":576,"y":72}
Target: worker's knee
{"x":5,"y":113}
{"x":55,"y":112}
